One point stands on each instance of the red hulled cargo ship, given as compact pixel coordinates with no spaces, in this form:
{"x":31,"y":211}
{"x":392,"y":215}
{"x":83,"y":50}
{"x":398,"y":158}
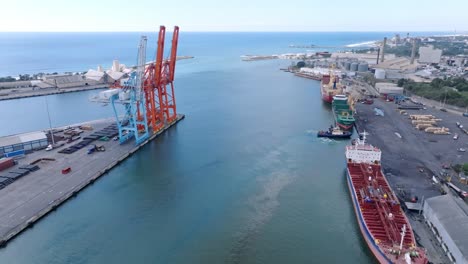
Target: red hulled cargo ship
{"x":329,"y":87}
{"x":381,"y":219}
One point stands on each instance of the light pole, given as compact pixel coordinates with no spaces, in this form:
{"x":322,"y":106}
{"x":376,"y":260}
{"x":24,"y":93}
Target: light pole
{"x":50,"y":122}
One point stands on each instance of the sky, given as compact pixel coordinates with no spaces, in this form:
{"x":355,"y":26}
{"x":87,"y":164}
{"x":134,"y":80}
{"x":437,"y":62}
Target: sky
{"x":234,"y":15}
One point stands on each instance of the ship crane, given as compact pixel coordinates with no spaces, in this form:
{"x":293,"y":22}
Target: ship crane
{"x":133,"y":123}
{"x":148,"y":95}
{"x":159,"y":84}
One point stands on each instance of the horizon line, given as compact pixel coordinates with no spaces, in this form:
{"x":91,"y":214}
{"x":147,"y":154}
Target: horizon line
{"x":252,"y":31}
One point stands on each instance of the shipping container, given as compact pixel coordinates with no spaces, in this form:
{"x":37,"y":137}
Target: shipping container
{"x":6,"y":163}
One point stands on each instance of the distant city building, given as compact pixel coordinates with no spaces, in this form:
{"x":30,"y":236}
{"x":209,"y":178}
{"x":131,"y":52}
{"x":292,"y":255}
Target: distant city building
{"x":17,"y":84}
{"x":397,"y":39}
{"x":429,"y":55}
{"x":64,"y":81}
{"x":388,"y":88}
{"x":448,"y":219}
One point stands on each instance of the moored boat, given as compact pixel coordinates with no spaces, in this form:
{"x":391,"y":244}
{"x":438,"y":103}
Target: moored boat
{"x":309,"y":76}
{"x":334,"y":132}
{"x":342,"y":112}
{"x":381,"y":219}
{"x":330,"y":86}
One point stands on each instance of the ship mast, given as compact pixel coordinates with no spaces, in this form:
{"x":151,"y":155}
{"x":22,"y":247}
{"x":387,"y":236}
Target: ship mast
{"x":403,"y":231}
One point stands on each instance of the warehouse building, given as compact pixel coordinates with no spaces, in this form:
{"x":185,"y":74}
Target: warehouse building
{"x":388,"y":88}
{"x":429,"y":55}
{"x":64,"y":81}
{"x":448,"y":219}
{"x":26,"y":141}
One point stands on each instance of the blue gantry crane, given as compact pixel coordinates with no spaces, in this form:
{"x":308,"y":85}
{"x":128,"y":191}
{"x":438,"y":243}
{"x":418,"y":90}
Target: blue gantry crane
{"x":133,"y":123}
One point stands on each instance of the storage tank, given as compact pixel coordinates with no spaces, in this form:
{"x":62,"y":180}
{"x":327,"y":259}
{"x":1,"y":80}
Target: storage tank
{"x":379,"y":73}
{"x":115,"y":66}
{"x":347,"y":65}
{"x":363,"y":67}
{"x":353,"y":66}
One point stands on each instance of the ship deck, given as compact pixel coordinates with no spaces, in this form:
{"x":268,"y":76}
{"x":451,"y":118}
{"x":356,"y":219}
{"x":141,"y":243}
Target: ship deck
{"x":376,"y":212}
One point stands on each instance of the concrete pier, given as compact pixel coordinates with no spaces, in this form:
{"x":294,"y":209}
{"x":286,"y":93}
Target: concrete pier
{"x":9,"y":94}
{"x":33,"y":196}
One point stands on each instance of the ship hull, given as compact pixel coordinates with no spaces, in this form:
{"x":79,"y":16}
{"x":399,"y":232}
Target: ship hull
{"x":327,"y":98}
{"x":346,"y":127}
{"x":328,"y":135}
{"x":309,"y":76}
{"x":378,"y":254}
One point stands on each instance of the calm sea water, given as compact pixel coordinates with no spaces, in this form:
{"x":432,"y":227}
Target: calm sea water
{"x":242,"y":179}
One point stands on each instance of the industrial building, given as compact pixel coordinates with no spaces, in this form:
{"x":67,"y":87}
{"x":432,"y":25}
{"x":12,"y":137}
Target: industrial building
{"x":448,"y":220}
{"x":429,"y":55}
{"x":388,"y":88}
{"x":26,"y":141}
{"x":64,"y":81}
{"x":17,"y":84}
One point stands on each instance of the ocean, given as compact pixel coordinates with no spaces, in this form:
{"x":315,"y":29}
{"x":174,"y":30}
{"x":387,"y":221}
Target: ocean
{"x":242,"y":179}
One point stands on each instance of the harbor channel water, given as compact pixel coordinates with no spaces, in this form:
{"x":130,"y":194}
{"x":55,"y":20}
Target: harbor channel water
{"x":243,"y":179}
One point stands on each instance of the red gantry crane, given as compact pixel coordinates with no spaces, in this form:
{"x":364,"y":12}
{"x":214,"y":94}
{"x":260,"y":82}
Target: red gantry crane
{"x":159,"y":84}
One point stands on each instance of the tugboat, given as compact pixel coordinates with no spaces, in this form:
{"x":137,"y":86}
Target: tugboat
{"x":334,"y":132}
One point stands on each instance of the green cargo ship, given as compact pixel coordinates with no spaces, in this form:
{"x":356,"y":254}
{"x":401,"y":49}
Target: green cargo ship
{"x":342,"y":112}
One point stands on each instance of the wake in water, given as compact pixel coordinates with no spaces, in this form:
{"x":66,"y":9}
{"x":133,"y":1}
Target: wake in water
{"x":322,"y":139}
{"x":280,"y":173}
{"x":363,"y":44}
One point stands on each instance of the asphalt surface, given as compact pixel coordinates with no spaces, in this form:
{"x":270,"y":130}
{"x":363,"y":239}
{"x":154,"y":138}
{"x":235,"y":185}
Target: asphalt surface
{"x":410,"y":162}
{"x":34,"y":195}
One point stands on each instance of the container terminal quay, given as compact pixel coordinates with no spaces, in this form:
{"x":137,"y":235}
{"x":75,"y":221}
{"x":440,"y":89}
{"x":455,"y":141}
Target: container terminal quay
{"x":41,"y":170}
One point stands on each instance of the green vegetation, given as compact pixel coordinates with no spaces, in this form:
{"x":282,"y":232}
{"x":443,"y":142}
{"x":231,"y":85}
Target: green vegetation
{"x":450,"y":48}
{"x":7,"y":79}
{"x":402,"y":50}
{"x":453,"y":91}
{"x":465,"y":168}
{"x":457,"y":168}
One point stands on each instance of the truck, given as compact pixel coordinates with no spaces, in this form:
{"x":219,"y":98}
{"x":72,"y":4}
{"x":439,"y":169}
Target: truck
{"x":95,"y":148}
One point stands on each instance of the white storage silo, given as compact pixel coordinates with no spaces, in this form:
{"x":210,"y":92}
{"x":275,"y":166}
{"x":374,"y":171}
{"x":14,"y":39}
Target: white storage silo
{"x":347,"y":65}
{"x":363,"y":67}
{"x":353,"y":66}
{"x":379,"y":73}
{"x":115,"y":66}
